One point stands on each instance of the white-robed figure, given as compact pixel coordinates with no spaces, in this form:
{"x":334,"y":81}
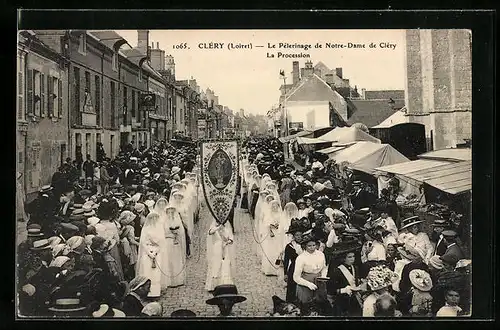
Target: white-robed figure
{"x":151,"y":254}
{"x":182,"y":206}
{"x":196,"y":202}
{"x":189,"y":195}
{"x":290,"y":211}
{"x":273,"y":188}
{"x":174,"y":271}
{"x":258,"y":215}
{"x":220,"y":255}
{"x":271,"y":239}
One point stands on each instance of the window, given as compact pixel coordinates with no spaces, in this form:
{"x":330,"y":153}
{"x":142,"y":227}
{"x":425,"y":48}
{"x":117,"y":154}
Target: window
{"x":97,"y":94}
{"x":43,"y":95}
{"x":51,"y":95}
{"x":133,"y":104}
{"x":59,"y":98}
{"x":88,"y":147}
{"x":82,"y":47}
{"x":181,"y":115}
{"x":87,"y":81}
{"x":111,"y":145}
{"x":140,"y":74}
{"x":36,"y":92}
{"x":112,"y":112}
{"x":76,"y":92}
{"x":21,"y":114}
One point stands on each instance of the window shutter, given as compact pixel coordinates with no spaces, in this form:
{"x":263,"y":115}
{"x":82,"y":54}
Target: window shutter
{"x":50,"y":99}
{"x":59,"y":97}
{"x":42,"y":95}
{"x":30,"y":98}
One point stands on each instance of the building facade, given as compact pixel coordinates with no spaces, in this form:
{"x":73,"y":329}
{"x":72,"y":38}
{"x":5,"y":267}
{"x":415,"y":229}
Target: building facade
{"x":439,"y":84}
{"x":42,"y":111}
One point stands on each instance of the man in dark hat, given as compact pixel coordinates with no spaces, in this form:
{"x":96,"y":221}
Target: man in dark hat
{"x":436,"y":236}
{"x":453,"y":251}
{"x":225,"y":297}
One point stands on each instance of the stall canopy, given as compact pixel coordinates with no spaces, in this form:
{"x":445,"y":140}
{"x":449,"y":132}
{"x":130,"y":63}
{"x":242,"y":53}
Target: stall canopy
{"x":451,"y":177}
{"x":366,"y":156}
{"x":307,"y":140}
{"x":330,"y":150}
{"x":347,"y":134}
{"x":451,"y":154}
{"x":399,"y":117}
{"x":288,"y":138}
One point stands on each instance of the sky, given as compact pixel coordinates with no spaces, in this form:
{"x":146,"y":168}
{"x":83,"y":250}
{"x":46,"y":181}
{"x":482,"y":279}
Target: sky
{"x":247,"y":79}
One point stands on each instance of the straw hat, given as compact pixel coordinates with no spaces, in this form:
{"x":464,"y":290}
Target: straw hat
{"x":42,"y":244}
{"x":411,"y":221}
{"x":421,"y":280}
{"x":105,"y":311}
{"x":34,"y":230}
{"x":436,"y":262}
{"x":67,"y":305}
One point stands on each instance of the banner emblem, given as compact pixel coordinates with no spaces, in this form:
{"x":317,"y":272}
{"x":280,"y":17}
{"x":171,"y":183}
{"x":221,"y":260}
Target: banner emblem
{"x":219,"y":171}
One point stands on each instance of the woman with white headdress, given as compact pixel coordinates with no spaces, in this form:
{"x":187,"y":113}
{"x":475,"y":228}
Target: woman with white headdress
{"x":160,"y":208}
{"x":271,"y":238}
{"x":151,"y":253}
{"x":273,"y":188}
{"x":290,"y":211}
{"x":178,"y":201}
{"x":174,"y":272}
{"x":220,"y":255}
{"x":189,"y":195}
{"x":258,"y":214}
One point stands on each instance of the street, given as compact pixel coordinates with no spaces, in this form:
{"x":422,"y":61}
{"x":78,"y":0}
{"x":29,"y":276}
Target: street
{"x":251,"y":283}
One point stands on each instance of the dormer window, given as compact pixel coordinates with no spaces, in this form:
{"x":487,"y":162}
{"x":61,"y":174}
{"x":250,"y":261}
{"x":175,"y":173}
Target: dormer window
{"x":82,"y":47}
{"x":115,"y":61}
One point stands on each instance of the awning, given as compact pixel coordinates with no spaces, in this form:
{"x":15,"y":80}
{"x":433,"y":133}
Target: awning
{"x":330,"y":150}
{"x":453,"y":178}
{"x":451,"y":154}
{"x":366,"y":156}
{"x":306,"y":140}
{"x":288,"y":138}
{"x":410,"y":167}
{"x":347,"y":134}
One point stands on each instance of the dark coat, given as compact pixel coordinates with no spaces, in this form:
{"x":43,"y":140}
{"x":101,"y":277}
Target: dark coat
{"x":453,"y":252}
{"x":344,"y":304}
{"x":290,"y":256}
{"x":132,"y":306}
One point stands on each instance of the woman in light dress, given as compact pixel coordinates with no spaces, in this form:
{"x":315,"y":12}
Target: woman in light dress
{"x":175,"y":249}
{"x":181,"y":205}
{"x":220,"y":255}
{"x":271,"y":238}
{"x":151,"y":256}
{"x":290,"y":211}
{"x":258,"y":216}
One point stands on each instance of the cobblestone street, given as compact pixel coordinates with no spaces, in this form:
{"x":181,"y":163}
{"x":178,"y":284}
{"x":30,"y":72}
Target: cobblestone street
{"x":254,"y":285}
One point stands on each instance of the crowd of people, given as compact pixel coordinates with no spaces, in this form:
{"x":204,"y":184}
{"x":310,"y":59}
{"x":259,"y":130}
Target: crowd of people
{"x":106,"y":237}
{"x":342,"y":249}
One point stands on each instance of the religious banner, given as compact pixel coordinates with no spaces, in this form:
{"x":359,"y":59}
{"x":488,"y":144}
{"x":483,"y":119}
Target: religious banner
{"x":219,"y":176}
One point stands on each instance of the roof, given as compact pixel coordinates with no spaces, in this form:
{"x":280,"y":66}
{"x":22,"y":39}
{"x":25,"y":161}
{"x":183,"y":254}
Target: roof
{"x":451,"y":154}
{"x":306,"y":140}
{"x":453,"y":178}
{"x":398,"y":117}
{"x":347,"y":134}
{"x":373,"y":112}
{"x":108,"y":38}
{"x":133,"y":55}
{"x":385,"y":95}
{"x":366,"y":156}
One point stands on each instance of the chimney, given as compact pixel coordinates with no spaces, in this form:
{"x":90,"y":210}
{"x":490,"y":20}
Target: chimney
{"x":152,"y":45}
{"x":308,"y":70}
{"x":338,"y":71}
{"x":295,"y":72}
{"x":157,"y":45}
{"x":363,"y":93}
{"x":143,"y":40}
{"x":329,"y":78}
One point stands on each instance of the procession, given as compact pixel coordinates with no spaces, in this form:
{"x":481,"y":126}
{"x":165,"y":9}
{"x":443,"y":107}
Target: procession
{"x":337,"y":203}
